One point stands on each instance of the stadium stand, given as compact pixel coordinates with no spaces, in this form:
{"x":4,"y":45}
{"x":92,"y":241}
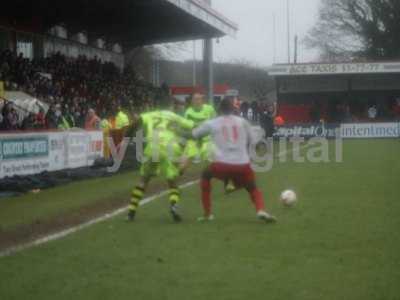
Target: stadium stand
{"x":62,"y":66}
{"x":69,"y":57}
{"x":71,"y":87}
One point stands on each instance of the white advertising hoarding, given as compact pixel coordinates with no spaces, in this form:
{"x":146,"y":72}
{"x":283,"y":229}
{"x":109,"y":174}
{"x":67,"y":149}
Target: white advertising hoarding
{"x":370,"y":130}
{"x":77,"y":149}
{"x":33,"y":153}
{"x":24,"y":154}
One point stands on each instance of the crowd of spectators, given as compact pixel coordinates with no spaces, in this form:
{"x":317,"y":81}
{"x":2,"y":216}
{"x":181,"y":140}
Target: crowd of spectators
{"x":75,"y":90}
{"x":253,"y":110}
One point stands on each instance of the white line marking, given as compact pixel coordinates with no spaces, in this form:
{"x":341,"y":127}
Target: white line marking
{"x":66,"y":232}
{"x":69,"y":231}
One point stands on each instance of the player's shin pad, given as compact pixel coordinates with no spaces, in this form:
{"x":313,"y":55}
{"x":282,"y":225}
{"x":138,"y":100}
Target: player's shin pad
{"x":137,"y":196}
{"x":174,"y":196}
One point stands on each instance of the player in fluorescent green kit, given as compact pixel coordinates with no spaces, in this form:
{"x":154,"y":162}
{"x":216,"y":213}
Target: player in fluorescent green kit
{"x":161,"y":156}
{"x":199,"y":112}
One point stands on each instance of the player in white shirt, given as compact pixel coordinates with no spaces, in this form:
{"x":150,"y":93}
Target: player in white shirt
{"x":231,"y":137}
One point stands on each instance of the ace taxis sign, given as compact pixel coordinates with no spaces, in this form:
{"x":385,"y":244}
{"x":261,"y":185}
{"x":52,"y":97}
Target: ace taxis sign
{"x":332,"y":69}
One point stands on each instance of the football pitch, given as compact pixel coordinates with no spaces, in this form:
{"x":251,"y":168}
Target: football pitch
{"x":341,"y":240}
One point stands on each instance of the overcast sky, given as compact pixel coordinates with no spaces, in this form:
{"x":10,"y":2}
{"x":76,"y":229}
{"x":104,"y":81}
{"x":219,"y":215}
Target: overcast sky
{"x":254,"y":41}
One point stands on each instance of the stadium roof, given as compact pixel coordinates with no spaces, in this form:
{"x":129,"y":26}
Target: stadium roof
{"x":129,"y":22}
{"x":335,"y":69}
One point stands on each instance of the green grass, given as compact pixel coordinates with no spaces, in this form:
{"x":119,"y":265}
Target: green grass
{"x":50,"y":204}
{"x":340,"y":242}
{"x":63,"y":199}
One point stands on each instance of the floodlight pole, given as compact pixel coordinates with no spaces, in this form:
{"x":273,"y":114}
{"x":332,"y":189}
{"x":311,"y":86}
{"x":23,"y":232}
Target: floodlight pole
{"x":208,"y":63}
{"x":296,"y":49}
{"x":274,"y":36}
{"x":194,"y":65}
{"x":288,"y":27}
{"x":208,"y":70}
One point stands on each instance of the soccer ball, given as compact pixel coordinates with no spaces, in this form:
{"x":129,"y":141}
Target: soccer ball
{"x":288,"y":198}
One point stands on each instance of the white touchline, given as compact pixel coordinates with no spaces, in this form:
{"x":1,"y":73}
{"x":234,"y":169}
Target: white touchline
{"x":69,"y":231}
{"x":66,"y":232}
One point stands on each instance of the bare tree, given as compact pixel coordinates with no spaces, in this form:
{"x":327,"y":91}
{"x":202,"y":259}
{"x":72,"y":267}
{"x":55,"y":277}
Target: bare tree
{"x":357,"y":29}
{"x":141,"y":59}
{"x":252,"y":81}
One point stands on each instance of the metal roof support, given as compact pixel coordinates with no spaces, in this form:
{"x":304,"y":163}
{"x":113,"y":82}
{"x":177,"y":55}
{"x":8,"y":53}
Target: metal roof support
{"x":208,"y":70}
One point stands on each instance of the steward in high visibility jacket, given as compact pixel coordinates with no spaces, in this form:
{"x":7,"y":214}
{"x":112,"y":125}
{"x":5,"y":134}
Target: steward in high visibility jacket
{"x":63,"y":124}
{"x":119,"y":126}
{"x":121,"y":120}
{"x":105,"y":125}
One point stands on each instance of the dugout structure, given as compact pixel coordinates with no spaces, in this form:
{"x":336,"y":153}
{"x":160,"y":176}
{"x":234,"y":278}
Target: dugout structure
{"x":357,"y":84}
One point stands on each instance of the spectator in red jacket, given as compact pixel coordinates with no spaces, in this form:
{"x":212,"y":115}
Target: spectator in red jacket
{"x":92,"y":121}
{"x":41,"y":119}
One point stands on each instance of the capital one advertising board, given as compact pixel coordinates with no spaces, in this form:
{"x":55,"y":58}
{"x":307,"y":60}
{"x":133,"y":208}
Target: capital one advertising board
{"x":370,"y":130}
